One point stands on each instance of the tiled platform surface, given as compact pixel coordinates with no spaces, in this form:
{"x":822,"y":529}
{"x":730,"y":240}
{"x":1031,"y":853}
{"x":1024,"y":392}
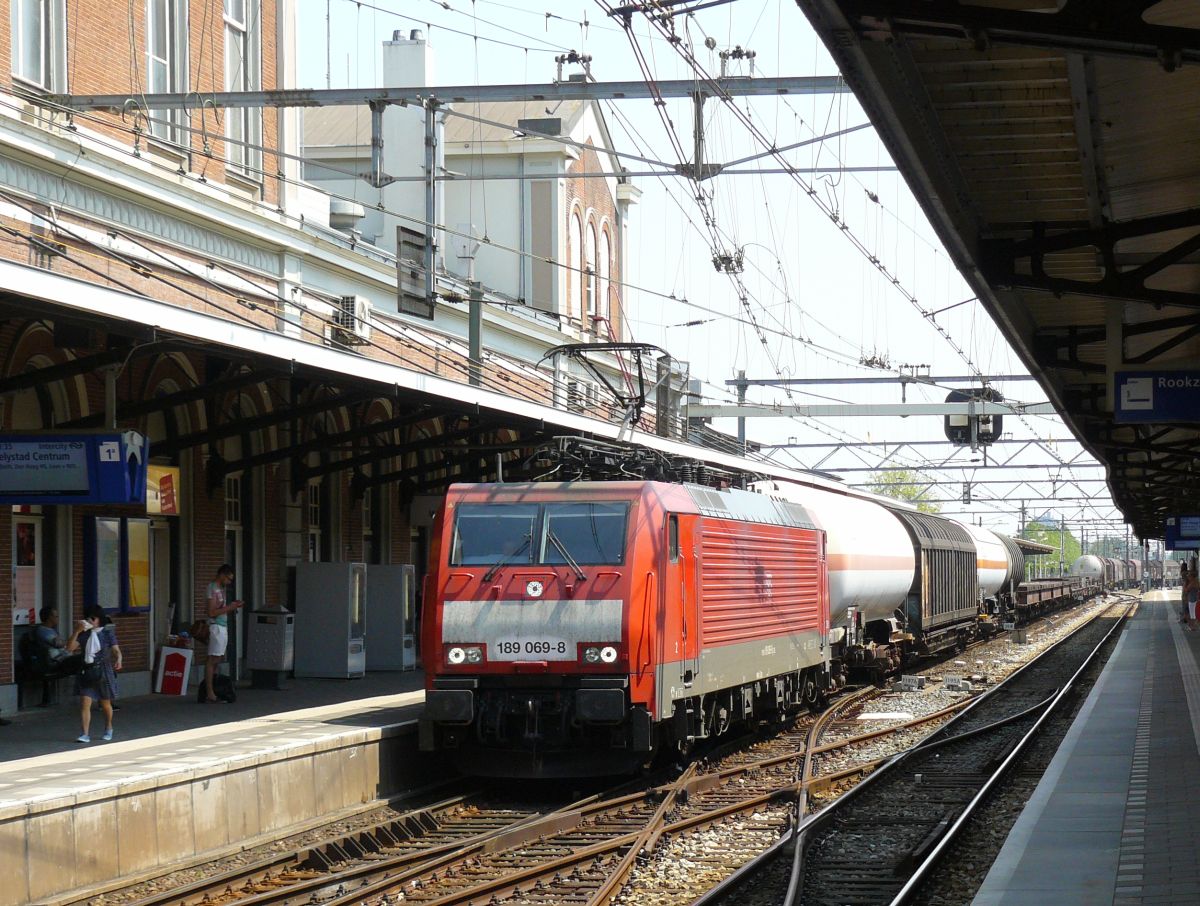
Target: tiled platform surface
{"x":1116,"y":819}
{"x":183,"y":779}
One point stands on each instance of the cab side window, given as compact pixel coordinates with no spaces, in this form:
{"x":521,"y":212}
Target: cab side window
{"x":673,"y":538}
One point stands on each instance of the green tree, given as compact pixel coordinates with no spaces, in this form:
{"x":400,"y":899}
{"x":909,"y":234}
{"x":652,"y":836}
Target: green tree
{"x":907,"y":485}
{"x":1047,"y":533}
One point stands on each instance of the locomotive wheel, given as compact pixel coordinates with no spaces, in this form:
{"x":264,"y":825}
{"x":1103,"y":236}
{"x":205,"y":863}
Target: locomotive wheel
{"x":721,"y":722}
{"x":809,"y":692}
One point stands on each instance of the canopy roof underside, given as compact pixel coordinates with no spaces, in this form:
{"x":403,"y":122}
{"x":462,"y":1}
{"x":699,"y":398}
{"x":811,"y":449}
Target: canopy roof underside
{"x":1055,"y":148}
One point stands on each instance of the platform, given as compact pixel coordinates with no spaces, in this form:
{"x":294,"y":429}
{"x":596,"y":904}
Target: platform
{"x":183,"y":781}
{"x":1114,"y":820}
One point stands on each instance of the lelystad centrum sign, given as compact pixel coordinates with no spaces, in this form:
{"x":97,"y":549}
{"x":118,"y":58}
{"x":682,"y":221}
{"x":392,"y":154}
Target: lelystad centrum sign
{"x":1156,"y":396}
{"x":49,"y":468}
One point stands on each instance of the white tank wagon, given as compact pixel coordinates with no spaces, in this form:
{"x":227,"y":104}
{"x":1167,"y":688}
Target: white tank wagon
{"x":1089,"y":566}
{"x":1000,"y":562}
{"x":869,"y":555}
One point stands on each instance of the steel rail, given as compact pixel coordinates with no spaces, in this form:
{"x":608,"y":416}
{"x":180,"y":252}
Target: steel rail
{"x":428,"y":857}
{"x":806,"y":774}
{"x":797,"y":835}
{"x":415,"y":864}
{"x":803,"y":784}
{"x":803,"y":832}
{"x":951,"y":833}
{"x":635,"y":845}
{"x":645,"y":842}
{"x":259,"y":871}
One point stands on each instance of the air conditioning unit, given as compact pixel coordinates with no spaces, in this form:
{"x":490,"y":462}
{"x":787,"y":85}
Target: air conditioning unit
{"x":352,"y":320}
{"x":576,"y":396}
{"x":583,"y":396}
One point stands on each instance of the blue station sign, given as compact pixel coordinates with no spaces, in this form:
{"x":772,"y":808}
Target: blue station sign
{"x":1156,"y":396}
{"x":49,"y":468}
{"x":1182,"y":533}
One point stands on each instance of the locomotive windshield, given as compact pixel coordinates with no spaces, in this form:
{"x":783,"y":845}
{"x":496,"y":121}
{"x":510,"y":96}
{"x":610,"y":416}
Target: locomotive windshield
{"x":516,"y":534}
{"x":489,"y":533}
{"x":588,"y":533}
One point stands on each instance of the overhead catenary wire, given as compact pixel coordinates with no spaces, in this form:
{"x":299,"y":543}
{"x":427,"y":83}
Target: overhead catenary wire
{"x":679,"y":45}
{"x":108,"y":254}
{"x":683,"y":49}
{"x":284,"y":179}
{"x":546,"y":47}
{"x":713,"y":86}
{"x":781,"y":333}
{"x":565,"y":266}
{"x":743,"y":293}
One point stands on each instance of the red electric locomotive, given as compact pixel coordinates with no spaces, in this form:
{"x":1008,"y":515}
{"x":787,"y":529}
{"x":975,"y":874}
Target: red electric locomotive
{"x":576,"y":628}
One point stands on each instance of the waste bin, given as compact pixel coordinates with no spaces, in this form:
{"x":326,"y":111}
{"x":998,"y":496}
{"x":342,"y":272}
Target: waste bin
{"x":271,"y":651}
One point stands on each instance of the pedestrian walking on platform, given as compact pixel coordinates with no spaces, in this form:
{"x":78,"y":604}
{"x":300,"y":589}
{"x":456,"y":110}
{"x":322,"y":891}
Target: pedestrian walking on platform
{"x":1183,"y":604}
{"x":102,"y":662}
{"x":219,"y":607}
{"x":1191,"y":594}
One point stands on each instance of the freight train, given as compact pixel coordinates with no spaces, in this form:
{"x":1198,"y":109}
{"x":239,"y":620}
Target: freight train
{"x":579,"y":628}
{"x":1116,"y":574}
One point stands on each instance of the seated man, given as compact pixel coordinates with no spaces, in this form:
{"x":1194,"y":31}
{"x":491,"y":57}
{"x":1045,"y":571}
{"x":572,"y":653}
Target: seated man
{"x":51,"y":648}
{"x":45,"y":654}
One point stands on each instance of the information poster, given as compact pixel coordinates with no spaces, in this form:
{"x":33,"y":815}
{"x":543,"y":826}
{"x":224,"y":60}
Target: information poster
{"x":26,"y":581}
{"x":162,"y":490}
{"x":108,"y":563}
{"x":138,"y":532}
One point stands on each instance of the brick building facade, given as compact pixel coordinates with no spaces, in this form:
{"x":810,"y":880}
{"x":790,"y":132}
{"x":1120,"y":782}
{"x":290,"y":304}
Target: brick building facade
{"x":171,"y":274}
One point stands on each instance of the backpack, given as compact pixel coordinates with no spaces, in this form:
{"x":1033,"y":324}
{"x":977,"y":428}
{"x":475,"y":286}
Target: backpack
{"x":223,"y":688}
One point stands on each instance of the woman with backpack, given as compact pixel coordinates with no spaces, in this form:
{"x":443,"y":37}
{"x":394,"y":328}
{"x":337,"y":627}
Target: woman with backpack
{"x":101,"y":664}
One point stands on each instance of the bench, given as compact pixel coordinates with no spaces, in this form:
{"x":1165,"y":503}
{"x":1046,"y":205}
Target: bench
{"x":34,"y":665}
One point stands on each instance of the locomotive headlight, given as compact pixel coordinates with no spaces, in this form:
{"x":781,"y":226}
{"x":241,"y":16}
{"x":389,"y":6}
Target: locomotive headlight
{"x":608,"y":654}
{"x":456,"y":655}
{"x":474,"y":655}
{"x":591,"y":655}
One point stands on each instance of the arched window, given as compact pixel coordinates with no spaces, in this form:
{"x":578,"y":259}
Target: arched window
{"x":574,"y":257}
{"x":605,"y":307}
{"x":589,"y":265}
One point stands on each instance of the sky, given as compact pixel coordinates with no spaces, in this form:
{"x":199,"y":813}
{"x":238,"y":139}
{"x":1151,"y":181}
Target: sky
{"x":812,"y":303}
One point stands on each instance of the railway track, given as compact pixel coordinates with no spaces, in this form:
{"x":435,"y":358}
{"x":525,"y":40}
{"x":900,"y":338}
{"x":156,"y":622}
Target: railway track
{"x":879,"y":842}
{"x":463,"y":849}
{"x":472,"y":849}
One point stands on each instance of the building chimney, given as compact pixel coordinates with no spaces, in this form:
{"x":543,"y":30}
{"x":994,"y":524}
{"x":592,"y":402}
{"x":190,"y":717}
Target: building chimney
{"x":407,"y":62}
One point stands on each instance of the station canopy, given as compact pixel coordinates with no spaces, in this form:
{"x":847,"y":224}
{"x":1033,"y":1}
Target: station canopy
{"x":1055,"y":148}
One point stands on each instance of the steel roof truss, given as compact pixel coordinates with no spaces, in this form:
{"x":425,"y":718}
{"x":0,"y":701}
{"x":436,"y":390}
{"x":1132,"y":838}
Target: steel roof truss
{"x":1111,"y":27}
{"x":1000,"y":258}
{"x":388,"y":451}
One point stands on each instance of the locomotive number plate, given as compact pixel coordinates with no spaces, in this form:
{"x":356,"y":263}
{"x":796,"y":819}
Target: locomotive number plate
{"x":531,"y":650}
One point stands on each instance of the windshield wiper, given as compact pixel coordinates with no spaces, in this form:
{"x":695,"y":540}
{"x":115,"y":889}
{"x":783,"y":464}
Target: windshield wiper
{"x":507,"y":559}
{"x":562,"y":549}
